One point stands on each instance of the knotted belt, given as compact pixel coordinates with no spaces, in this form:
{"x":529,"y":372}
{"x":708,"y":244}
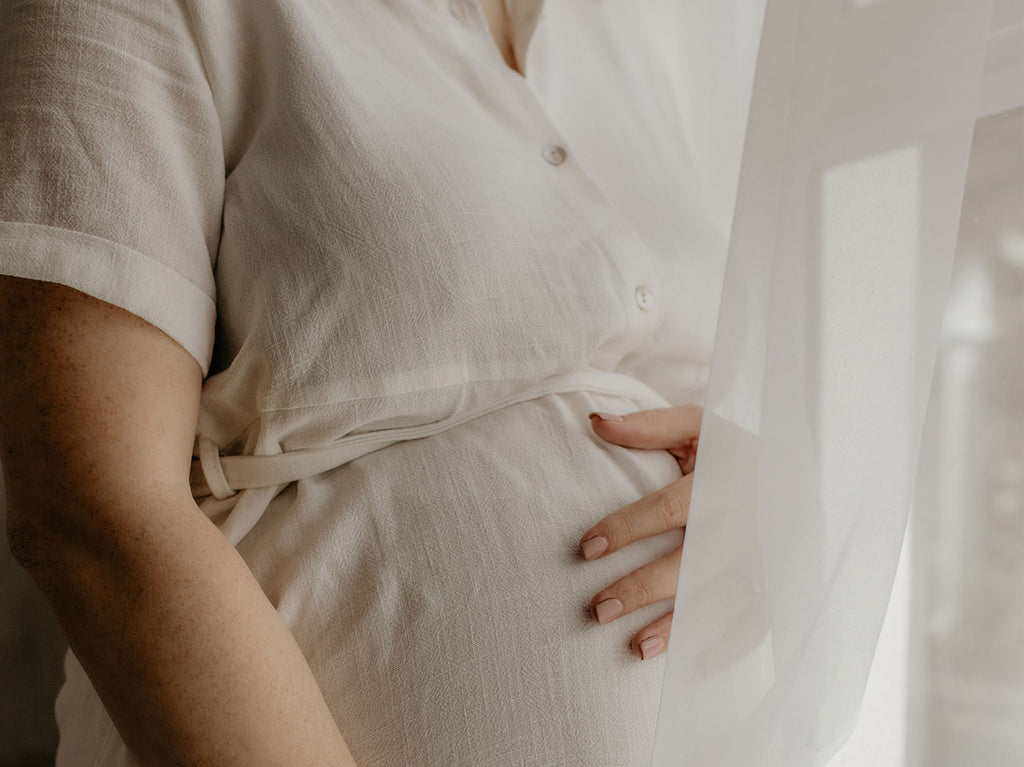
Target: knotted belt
{"x":224,"y":475}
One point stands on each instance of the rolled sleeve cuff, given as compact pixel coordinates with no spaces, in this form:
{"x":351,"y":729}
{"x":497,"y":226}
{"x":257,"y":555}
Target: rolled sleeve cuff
{"x":117,"y":275}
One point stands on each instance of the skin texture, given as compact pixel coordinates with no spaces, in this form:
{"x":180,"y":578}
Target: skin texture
{"x":676,"y":430}
{"x":98,"y":413}
{"x":497,"y":18}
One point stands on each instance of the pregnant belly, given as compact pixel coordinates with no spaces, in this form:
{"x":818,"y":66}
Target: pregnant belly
{"x":435,"y":588}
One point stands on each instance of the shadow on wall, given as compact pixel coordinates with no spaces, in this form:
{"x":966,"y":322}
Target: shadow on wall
{"x":31,"y":654}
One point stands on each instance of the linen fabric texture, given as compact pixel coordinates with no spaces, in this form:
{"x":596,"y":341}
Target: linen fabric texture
{"x":353,"y":216}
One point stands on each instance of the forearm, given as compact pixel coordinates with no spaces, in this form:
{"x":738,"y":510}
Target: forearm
{"x":97,"y":422}
{"x":190,"y":659}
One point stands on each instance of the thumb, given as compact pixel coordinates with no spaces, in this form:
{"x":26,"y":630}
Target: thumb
{"x":670,"y":428}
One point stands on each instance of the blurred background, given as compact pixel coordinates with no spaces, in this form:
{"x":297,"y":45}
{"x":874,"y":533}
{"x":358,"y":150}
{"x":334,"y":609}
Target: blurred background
{"x":947,"y":684}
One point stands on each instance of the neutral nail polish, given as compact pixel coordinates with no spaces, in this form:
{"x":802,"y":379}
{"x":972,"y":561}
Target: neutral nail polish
{"x":607,"y":610}
{"x":607,"y":416}
{"x":651,"y":646}
{"x":594,"y":547}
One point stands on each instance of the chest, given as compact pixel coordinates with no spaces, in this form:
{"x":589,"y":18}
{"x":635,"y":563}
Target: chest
{"x":496,"y":14}
{"x":401,"y":217}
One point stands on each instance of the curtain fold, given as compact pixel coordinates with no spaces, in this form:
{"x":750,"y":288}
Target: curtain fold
{"x":845,"y":225}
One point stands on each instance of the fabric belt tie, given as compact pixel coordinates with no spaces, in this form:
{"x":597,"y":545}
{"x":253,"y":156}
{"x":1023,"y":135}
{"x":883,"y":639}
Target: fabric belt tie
{"x":223,"y":476}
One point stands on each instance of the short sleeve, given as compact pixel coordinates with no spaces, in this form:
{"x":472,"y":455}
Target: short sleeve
{"x":111,"y":159}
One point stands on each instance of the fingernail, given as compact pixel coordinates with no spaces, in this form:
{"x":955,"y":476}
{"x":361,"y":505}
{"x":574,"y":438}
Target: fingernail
{"x":651,"y":646}
{"x":609,"y":609}
{"x":594,"y":547}
{"x":607,"y":416}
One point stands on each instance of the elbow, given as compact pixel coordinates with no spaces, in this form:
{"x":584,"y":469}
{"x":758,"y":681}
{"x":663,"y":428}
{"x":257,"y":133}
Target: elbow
{"x":39,"y":536}
{"x":55,"y":535}
{"x":26,"y":538}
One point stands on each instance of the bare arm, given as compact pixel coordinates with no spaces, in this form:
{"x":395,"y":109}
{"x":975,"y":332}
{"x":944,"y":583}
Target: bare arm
{"x":97,"y":417}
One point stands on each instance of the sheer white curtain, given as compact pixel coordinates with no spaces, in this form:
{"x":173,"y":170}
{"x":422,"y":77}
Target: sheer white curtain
{"x":846,"y":219}
{"x":966,"y":676}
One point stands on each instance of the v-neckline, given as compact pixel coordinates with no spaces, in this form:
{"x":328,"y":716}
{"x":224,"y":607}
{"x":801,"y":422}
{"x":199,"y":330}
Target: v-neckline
{"x":522,"y":17}
{"x":499,"y":23}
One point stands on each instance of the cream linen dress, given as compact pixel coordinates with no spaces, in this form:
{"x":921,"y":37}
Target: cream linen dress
{"x":410,"y":273}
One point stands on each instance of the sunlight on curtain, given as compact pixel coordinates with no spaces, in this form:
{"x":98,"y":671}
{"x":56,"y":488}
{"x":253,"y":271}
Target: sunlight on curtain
{"x":947,"y":684}
{"x":867,"y":334}
{"x":880,"y":738}
{"x":842,"y":242}
{"x":967,"y":669}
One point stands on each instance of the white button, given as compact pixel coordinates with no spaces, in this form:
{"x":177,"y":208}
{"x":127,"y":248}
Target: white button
{"x":758,"y":585}
{"x":554,"y":154}
{"x":458,"y":9}
{"x":644,"y":298}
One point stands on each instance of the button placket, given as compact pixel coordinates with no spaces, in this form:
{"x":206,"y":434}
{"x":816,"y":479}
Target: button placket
{"x":624,"y":247}
{"x":629,"y":252}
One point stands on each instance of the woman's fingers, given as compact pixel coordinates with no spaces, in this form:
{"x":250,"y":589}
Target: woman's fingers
{"x":675,"y":429}
{"x":652,"y":640}
{"x":651,"y":583}
{"x":644,"y":586}
{"x":658,"y":512}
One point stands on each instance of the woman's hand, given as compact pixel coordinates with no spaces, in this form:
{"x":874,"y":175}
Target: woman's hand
{"x":676,"y":430}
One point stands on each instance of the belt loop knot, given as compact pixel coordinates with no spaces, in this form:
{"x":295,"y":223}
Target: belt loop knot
{"x":213,"y":472}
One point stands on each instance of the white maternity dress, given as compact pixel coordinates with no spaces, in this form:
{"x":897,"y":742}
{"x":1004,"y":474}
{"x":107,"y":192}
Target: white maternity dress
{"x":410,"y":273}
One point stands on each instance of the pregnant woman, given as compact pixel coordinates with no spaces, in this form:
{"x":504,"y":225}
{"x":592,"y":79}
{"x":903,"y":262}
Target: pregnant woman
{"x":307,"y":306}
